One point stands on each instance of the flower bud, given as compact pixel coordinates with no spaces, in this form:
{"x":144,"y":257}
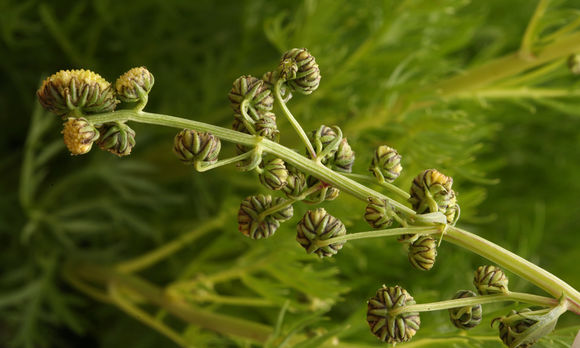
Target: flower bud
{"x":81,"y":90}
{"x":422,"y":253}
{"x":266,"y":126}
{"x":318,"y":225}
{"x":490,"y":280}
{"x":79,"y":135}
{"x":295,"y":182}
{"x":283,"y":214}
{"x":133,"y":84}
{"x":378,"y":213}
{"x":465,"y":317}
{"x":322,"y":138}
{"x":513,"y":326}
{"x":389,"y":328}
{"x":255,"y":91}
{"x":386,"y":164}
{"x":117,"y":138}
{"x":250,"y":223}
{"x":326,"y":193}
{"x":343,"y":158}
{"x":274,"y":175}
{"x":191,"y":146}
{"x":300,"y":71}
{"x":431,"y":192}
{"x":574,"y":64}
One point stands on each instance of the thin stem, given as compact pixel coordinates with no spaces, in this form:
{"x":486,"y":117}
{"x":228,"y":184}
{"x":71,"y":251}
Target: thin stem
{"x":203,"y":167}
{"x":232,"y":300}
{"x":288,"y":202}
{"x":515,"y":264}
{"x":475,"y":300}
{"x":168,"y":249}
{"x":297,"y":127}
{"x":143,"y":316}
{"x":536,"y":73}
{"x":524,"y":92}
{"x":379,"y":233}
{"x":563,"y":30}
{"x":531,"y":31}
{"x":371,"y":179}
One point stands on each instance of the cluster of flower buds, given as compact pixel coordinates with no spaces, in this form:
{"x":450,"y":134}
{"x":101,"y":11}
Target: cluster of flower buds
{"x":431,"y":192}
{"x":387,"y":327}
{"x":260,"y":216}
{"x":318,"y":226}
{"x":513,"y":328}
{"x":73,"y":94}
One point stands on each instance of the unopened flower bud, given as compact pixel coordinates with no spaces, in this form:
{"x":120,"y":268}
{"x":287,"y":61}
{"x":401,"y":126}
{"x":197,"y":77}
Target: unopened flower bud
{"x":343,"y":157}
{"x":326,"y":193}
{"x":274,"y":175}
{"x":283,"y":214}
{"x":250,"y":222}
{"x":255,"y":91}
{"x":431,"y":192}
{"x":117,"y":138}
{"x":191,"y":146}
{"x":515,"y":325}
{"x":322,"y":138}
{"x":270,"y":79}
{"x":465,"y":317}
{"x":81,"y":90}
{"x":295,"y":182}
{"x":388,"y":328}
{"x":378,"y":213}
{"x":133,"y":84}
{"x":266,"y":126}
{"x":386,"y":164}
{"x":79,"y":135}
{"x":300,"y":71}
{"x":422,"y":253}
{"x":317,"y":225}
{"x":490,"y":280}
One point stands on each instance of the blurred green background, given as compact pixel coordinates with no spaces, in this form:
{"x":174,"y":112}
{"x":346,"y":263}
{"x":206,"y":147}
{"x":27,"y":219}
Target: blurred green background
{"x":514,"y":161}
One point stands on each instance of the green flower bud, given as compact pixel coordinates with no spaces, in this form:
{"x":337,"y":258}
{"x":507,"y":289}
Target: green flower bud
{"x":465,"y":317}
{"x":81,"y":90}
{"x":490,"y":280}
{"x":422,"y":253}
{"x":389,"y":328}
{"x":283,"y":214}
{"x":300,"y":71}
{"x":274,"y":175}
{"x":318,"y":225}
{"x":574,"y":63}
{"x":249,"y":221}
{"x":343,"y":157}
{"x":386,"y":164}
{"x":378,"y":213}
{"x":513,"y":326}
{"x":117,"y":138}
{"x":322,"y":138}
{"x":270,"y":78}
{"x":431,"y":192}
{"x":295,"y":182}
{"x":327,"y":193}
{"x":191,"y":146}
{"x":255,"y":91}
{"x":133,"y":84}
{"x":79,"y":135}
{"x":266,"y":126}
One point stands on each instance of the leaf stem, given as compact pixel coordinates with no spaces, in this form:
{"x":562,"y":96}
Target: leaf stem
{"x":291,"y":119}
{"x":531,"y":31}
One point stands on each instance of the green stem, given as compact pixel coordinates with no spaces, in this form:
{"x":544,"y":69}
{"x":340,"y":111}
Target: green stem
{"x":524,"y":92}
{"x":292,"y":120}
{"x":379,"y":233}
{"x":166,"y":250}
{"x":515,"y":264}
{"x":475,"y":300}
{"x":371,"y":179}
{"x":531,"y":31}
{"x":203,"y":167}
{"x":219,"y":323}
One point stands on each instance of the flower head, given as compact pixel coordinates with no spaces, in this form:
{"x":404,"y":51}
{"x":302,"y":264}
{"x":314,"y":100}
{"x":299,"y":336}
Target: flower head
{"x":79,"y":135}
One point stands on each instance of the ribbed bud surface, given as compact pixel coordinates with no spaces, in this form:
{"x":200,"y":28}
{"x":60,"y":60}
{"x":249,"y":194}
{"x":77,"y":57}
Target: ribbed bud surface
{"x":318,"y":225}
{"x":249,"y":222}
{"x":465,"y":317}
{"x":117,"y":138}
{"x":431,"y":192}
{"x":132,"y":84}
{"x":490,"y":280}
{"x":300,"y":71}
{"x":386,"y":164}
{"x":191,"y":146}
{"x":79,"y":135}
{"x":422,"y":253}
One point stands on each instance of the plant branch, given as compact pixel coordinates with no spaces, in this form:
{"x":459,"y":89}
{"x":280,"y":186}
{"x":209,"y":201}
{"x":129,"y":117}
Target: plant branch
{"x":531,"y":31}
